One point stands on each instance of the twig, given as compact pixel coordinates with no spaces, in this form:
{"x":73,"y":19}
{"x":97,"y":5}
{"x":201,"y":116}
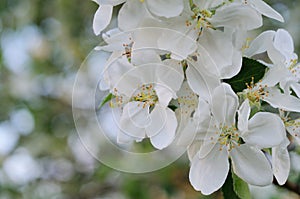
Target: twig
{"x":289,"y":186}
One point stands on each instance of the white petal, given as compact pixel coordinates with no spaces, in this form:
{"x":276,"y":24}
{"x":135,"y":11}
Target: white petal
{"x":219,"y":46}
{"x":224,"y":104}
{"x":164,"y":94}
{"x":144,"y":56}
{"x":284,"y":101}
{"x":281,"y":162}
{"x":110,"y":2}
{"x":265,"y":130}
{"x":275,"y":75}
{"x":165,"y":8}
{"x":131,"y":14}
{"x":237,"y":16}
{"x":267,"y":10}
{"x":193,"y":149}
{"x":181,"y":46}
{"x":187,"y":134}
{"x":243,"y":116}
{"x":166,"y":134}
{"x":209,"y":174}
{"x":251,"y":165}
{"x":102,"y":18}
{"x":123,"y":138}
{"x":134,"y":119}
{"x":201,"y":83}
{"x":260,"y":44}
{"x":296,"y":88}
{"x":283,"y":42}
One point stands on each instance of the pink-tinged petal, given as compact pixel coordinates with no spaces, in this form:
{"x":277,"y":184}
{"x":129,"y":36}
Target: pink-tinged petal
{"x":261,"y":43}
{"x":224,"y":104}
{"x":166,"y":134}
{"x":265,"y":130}
{"x":134,"y":119}
{"x":102,"y":18}
{"x":267,"y":10}
{"x":165,"y":8}
{"x":251,"y":165}
{"x":243,"y":116}
{"x":281,"y":162}
{"x":209,"y":174}
{"x":283,"y":101}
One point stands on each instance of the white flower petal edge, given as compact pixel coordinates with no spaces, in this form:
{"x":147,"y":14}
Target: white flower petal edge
{"x":209,"y":174}
{"x":281,"y":162}
{"x":265,"y":130}
{"x":165,"y":136}
{"x":266,"y":10}
{"x":251,"y":165}
{"x":165,"y":8}
{"x":102,"y":18}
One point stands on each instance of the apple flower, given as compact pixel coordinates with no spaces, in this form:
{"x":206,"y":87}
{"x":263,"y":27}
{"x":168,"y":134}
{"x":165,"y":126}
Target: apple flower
{"x":222,"y":137}
{"x":143,"y":93}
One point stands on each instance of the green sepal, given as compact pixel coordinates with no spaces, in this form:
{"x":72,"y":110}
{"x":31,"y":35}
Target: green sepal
{"x":106,"y":99}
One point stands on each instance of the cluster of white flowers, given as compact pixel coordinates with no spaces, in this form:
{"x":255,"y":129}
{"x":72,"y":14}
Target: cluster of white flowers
{"x":167,"y":73}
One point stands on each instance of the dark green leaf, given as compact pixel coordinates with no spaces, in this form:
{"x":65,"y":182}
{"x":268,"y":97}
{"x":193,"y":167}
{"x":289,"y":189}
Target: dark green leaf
{"x":106,"y":99}
{"x":172,"y":107}
{"x":240,"y":187}
{"x":250,"y":69}
{"x":228,"y":188}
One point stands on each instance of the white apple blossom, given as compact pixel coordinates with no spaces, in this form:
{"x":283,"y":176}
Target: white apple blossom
{"x":144,"y":93}
{"x":280,"y":49}
{"x":165,"y":72}
{"x":223,"y":137}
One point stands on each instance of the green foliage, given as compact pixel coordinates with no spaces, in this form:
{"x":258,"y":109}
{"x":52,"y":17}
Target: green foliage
{"x":251,"y":69}
{"x":106,"y":99}
{"x":235,"y":188}
{"x":240,"y":187}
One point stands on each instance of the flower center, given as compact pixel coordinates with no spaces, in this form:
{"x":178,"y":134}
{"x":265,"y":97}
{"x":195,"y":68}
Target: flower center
{"x":294,"y":68}
{"x":128,"y":50}
{"x":229,"y":137}
{"x":255,"y":93}
{"x":201,"y":18}
{"x":147,"y":95}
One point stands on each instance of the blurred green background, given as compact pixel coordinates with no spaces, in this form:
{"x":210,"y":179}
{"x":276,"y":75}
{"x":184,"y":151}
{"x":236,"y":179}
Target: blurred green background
{"x":42,"y":45}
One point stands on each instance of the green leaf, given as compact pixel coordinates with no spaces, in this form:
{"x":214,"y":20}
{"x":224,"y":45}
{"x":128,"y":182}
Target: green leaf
{"x":228,"y":188}
{"x":250,"y":69}
{"x":235,"y":188}
{"x":240,"y":187}
{"x":106,"y":99}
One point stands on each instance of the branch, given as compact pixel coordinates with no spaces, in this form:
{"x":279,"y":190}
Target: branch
{"x":289,"y":186}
